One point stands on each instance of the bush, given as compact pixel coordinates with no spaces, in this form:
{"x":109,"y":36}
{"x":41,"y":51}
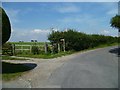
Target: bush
{"x":79,"y":41}
{"x":35,"y":49}
{"x":7,"y":49}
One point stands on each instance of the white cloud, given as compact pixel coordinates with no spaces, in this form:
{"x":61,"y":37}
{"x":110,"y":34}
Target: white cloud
{"x":105,"y":32}
{"x":110,"y":32}
{"x":67,"y":8}
{"x":39,"y":31}
{"x":55,"y":29}
{"x":12,"y":30}
{"x":28,"y":35}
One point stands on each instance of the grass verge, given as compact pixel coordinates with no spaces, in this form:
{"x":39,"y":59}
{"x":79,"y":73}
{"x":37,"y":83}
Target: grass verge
{"x":12,"y":58}
{"x":46,"y":56}
{"x":101,"y":46}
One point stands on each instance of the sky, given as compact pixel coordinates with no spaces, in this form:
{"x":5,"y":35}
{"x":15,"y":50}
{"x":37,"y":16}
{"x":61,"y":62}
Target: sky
{"x":34,"y":20}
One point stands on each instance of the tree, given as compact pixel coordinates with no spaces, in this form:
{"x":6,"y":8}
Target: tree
{"x":6,"y":27}
{"x":115,"y":22}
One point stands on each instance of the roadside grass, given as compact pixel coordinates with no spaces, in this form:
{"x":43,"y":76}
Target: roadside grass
{"x":101,"y":46}
{"x":11,"y":71}
{"x":12,"y":76}
{"x":46,"y":56}
{"x":97,"y":47}
{"x":5,"y":57}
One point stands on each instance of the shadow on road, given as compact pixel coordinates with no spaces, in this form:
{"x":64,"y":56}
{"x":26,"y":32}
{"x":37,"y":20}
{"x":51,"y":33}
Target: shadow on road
{"x":15,"y":68}
{"x":115,"y":51}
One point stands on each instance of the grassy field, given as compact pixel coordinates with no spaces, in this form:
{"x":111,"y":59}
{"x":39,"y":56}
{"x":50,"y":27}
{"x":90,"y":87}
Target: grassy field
{"x":29,"y":43}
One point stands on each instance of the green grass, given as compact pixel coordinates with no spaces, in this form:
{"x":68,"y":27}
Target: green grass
{"x":11,"y":71}
{"x":46,"y":56}
{"x":12,"y":58}
{"x":12,"y":76}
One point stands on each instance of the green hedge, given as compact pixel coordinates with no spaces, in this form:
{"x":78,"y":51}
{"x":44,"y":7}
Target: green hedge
{"x":79,"y":41}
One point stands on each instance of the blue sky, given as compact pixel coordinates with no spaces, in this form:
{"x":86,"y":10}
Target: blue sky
{"x":34,"y":20}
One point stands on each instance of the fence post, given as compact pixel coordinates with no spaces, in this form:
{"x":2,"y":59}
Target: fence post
{"x":52,"y":49}
{"x":64,"y":45}
{"x":13,"y":48}
{"x":21,"y":48}
{"x":30,"y":48}
{"x":45,"y":47}
{"x":58,"y":47}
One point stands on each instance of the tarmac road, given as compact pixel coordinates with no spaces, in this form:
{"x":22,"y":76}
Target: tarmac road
{"x":91,"y":69}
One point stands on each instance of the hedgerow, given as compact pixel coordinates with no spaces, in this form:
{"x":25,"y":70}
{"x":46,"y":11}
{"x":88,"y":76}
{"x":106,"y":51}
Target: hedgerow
{"x":77,"y":41}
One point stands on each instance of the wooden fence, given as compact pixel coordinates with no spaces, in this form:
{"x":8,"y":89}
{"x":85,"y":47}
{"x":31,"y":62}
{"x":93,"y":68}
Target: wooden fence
{"x":22,"y":48}
{"x":27,"y":48}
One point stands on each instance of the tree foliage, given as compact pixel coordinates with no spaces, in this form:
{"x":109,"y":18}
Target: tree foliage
{"x":115,"y":22}
{"x":6,"y":27}
{"x":78,"y":41}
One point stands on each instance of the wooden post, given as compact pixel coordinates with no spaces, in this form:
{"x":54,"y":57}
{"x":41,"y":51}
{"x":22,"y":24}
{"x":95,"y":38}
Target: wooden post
{"x":58,"y":47}
{"x":13,"y":47}
{"x":64,"y":45}
{"x":21,"y":48}
{"x":52,"y":49}
{"x":63,"y":40}
{"x":30,"y":49}
{"x":45,"y":47}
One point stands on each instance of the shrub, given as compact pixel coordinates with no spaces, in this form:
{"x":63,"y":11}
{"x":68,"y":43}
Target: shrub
{"x":7,"y":49}
{"x":79,"y":41}
{"x":35,"y":49}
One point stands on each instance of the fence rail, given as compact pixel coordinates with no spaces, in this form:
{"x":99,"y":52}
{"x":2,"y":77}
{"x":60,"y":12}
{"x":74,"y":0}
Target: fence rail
{"x":22,"y":49}
{"x":28,"y":48}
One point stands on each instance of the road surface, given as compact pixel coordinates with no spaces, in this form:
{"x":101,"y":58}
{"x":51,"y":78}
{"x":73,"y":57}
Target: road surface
{"x":91,"y":69}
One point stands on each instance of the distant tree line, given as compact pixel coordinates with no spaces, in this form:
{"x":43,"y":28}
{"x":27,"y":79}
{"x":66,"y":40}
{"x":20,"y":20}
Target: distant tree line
{"x":77,"y":41}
